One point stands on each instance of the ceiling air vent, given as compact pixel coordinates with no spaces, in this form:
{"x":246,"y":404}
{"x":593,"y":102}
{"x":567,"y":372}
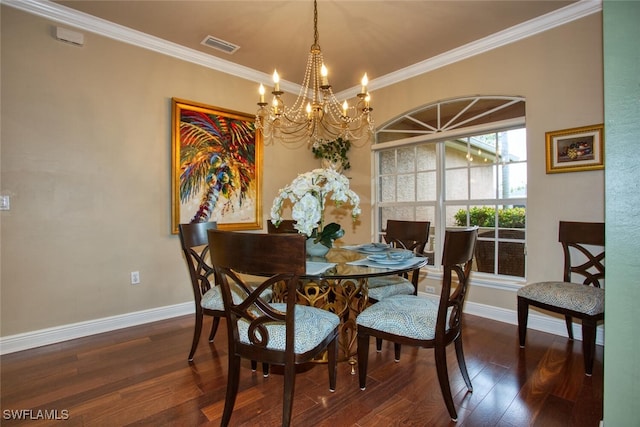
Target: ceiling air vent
{"x":220,"y":44}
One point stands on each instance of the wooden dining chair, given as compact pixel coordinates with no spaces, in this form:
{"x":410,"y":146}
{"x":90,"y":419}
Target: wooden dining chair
{"x":583,"y":249}
{"x":411,"y":235}
{"x":424,"y":322}
{"x":206,"y":294}
{"x":286,"y":333}
{"x":207,"y":297}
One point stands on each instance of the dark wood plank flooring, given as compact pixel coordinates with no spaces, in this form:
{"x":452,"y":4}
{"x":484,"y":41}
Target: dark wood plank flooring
{"x":140,"y":376}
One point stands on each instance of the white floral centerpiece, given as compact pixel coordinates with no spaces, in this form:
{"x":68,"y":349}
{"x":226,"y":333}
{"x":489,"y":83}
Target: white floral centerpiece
{"x":308,"y":195}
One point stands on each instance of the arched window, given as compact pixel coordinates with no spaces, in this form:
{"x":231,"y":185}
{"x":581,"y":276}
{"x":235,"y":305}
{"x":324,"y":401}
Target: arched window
{"x":456,"y":163}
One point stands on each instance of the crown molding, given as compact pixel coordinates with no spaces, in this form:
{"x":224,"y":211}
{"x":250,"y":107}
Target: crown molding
{"x":538,"y":25}
{"x":83,"y":21}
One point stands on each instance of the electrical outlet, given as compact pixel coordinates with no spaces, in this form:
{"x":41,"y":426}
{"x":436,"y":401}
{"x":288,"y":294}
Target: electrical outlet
{"x":135,"y":277}
{"x":430,"y":289}
{"x":5,"y":203}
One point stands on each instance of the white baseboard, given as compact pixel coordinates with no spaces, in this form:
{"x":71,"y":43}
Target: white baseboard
{"x":27,"y":340}
{"x":537,"y":322}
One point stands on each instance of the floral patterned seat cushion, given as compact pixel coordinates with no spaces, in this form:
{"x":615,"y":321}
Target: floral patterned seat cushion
{"x":405,"y":315}
{"x":572,"y":296}
{"x":386,"y":286}
{"x":312,"y":325}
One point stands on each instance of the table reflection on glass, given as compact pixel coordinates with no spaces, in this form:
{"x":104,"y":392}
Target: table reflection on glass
{"x":342,"y":289}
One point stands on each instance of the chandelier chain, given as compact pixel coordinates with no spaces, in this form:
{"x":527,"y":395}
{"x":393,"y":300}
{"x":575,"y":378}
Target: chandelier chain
{"x":316,"y":35}
{"x":316,"y":116}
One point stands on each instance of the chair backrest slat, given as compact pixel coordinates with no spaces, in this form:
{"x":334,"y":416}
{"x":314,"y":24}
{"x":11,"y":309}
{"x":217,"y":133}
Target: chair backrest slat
{"x":412,"y":235}
{"x":194,"y":242}
{"x":586,"y":238}
{"x":253,"y":253}
{"x":457,"y":260}
{"x":285,"y":226}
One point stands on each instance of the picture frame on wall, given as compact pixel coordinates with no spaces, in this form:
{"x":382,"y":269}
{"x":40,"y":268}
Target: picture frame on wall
{"x":575,"y":149}
{"x":216,"y":167}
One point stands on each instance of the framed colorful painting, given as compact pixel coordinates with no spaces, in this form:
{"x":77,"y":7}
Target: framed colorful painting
{"x":216,"y":167}
{"x":576,"y":149}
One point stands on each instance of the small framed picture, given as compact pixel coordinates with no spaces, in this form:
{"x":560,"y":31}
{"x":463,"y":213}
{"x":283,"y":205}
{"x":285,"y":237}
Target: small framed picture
{"x":576,"y":149}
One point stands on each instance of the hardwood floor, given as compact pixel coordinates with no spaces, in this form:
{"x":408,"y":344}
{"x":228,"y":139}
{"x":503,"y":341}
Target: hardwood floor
{"x":140,"y":376}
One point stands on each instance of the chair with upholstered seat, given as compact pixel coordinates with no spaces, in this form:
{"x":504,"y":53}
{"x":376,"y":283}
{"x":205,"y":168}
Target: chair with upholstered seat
{"x":286,"y":333}
{"x":425,"y":322}
{"x":583,"y":248}
{"x":208,"y":299}
{"x":207,"y":295}
{"x":411,"y":235}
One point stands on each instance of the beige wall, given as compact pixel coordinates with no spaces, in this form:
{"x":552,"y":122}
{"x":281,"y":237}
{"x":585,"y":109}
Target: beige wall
{"x":559,"y":73}
{"x":85,"y":157}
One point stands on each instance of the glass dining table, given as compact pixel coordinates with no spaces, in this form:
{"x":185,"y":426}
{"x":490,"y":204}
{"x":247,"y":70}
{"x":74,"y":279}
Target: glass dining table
{"x":338,"y":282}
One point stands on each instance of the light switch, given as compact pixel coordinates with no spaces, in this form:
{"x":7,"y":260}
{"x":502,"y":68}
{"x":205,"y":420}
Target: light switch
{"x":5,"y":203}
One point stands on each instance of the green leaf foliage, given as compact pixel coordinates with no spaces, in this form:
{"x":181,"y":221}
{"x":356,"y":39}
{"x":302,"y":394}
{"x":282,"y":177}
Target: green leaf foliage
{"x":485,"y":216}
{"x":329,"y":233}
{"x":334,"y":151}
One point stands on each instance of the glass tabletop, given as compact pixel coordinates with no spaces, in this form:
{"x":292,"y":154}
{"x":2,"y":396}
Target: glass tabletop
{"x":340,"y":265}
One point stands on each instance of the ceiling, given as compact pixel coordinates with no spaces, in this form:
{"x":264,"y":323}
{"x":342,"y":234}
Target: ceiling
{"x":385,"y":39}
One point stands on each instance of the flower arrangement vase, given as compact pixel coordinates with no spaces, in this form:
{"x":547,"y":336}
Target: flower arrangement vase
{"x":316,"y":249}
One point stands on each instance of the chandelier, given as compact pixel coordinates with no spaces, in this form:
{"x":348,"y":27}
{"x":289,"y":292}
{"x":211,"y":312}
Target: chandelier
{"x":316,"y":116}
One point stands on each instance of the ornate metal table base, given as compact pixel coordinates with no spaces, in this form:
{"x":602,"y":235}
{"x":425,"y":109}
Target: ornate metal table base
{"x":344,"y":297}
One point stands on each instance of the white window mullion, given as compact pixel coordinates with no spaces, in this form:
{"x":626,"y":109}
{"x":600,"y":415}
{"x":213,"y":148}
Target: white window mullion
{"x":482,"y":141}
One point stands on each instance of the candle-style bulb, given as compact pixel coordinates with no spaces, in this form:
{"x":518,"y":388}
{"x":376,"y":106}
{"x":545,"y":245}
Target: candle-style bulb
{"x":276,"y":81}
{"x":365,"y":82}
{"x":324,"y":73}
{"x":345,"y":107}
{"x":261,"y":91}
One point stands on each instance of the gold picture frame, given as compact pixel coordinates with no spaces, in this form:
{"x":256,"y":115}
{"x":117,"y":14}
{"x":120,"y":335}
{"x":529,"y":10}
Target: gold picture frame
{"x":216,"y":167}
{"x":575,"y":149}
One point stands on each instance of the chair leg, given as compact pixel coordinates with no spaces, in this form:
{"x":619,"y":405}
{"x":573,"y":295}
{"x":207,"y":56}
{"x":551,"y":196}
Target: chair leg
{"x":289,"y":386}
{"x":397,"y":348}
{"x":443,"y":379}
{"x":588,"y":344}
{"x":523,"y":314}
{"x":461,"y":362}
{"x":363,"y":359}
{"x":196,"y":335}
{"x":332,"y":353}
{"x":378,"y":345}
{"x":415,"y":276}
{"x":233,"y":381}
{"x":265,"y":368}
{"x":569,"y":323}
{"x":214,"y":328}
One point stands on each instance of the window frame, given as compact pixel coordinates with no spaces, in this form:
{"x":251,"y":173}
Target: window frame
{"x":438,"y":136}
